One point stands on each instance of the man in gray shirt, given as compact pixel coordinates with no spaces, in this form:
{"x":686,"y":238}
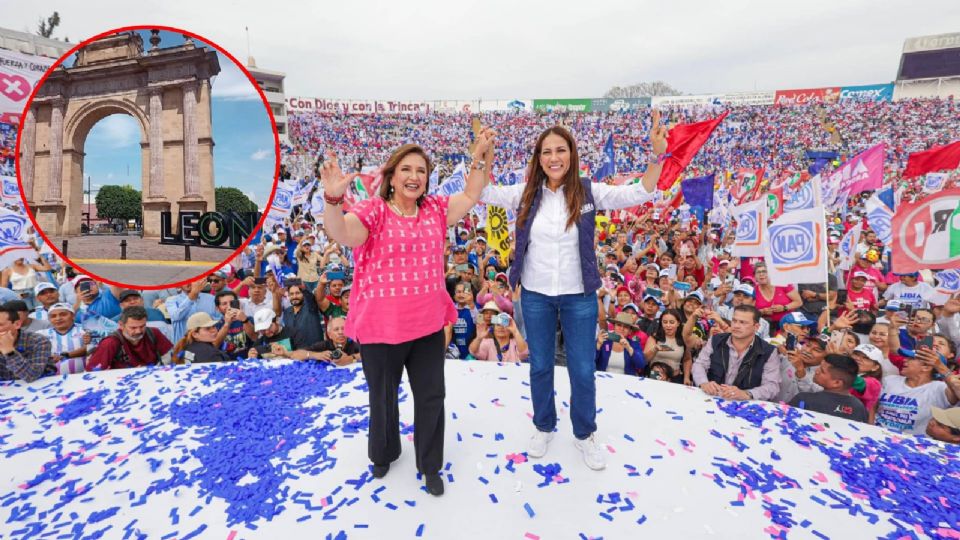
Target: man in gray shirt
{"x":739,"y":365}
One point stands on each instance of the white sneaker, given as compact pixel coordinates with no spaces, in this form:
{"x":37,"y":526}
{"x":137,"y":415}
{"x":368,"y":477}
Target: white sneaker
{"x":537,"y":447}
{"x":592,"y":455}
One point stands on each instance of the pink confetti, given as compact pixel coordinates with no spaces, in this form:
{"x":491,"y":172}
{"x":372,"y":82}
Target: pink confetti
{"x":232,"y":535}
{"x":611,"y":449}
{"x":819,"y":427}
{"x":267,"y":382}
{"x":820,"y":477}
{"x":671,"y":452}
{"x":517,"y":458}
{"x":531,"y":536}
{"x":661,"y":443}
{"x":949,"y":533}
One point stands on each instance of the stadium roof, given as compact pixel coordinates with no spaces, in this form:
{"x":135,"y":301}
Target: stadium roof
{"x":32,"y":44}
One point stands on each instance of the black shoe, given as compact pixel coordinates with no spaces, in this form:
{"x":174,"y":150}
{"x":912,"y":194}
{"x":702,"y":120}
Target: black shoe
{"x":434,"y":484}
{"x":379,"y":471}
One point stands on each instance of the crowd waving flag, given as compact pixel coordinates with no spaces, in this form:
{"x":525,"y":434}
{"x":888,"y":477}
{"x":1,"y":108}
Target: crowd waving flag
{"x":608,"y":168}
{"x":455,"y":183}
{"x":880,"y":217}
{"x":683,"y":143}
{"x":751,"y":231}
{"x":796,"y":251}
{"x":698,"y":191}
{"x":803,"y":197}
{"x":926,"y":233}
{"x":938,"y":158}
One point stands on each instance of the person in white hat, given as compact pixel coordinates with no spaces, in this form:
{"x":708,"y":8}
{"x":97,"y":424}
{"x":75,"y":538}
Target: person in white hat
{"x":47,"y":295}
{"x":70,"y":344}
{"x":272,"y":336}
{"x":944,"y":424}
{"x":198,"y":345}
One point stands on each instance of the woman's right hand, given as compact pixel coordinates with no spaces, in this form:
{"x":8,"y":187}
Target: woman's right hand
{"x":334,"y":181}
{"x":601,"y":338}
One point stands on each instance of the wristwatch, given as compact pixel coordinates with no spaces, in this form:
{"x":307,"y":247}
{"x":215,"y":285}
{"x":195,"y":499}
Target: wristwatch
{"x":479,"y":164}
{"x":749,"y":394}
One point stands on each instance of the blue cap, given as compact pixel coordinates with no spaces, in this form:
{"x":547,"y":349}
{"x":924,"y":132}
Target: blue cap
{"x":797,"y":318}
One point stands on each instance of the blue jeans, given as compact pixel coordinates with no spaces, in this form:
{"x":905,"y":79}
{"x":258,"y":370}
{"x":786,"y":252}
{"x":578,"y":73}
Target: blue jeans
{"x":578,"y":320}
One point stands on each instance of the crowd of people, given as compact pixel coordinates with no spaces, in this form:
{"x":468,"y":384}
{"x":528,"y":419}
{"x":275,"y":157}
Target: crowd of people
{"x":672,"y":302}
{"x":775,"y":138}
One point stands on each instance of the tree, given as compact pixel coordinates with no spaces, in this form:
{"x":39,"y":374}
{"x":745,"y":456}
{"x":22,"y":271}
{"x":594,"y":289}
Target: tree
{"x":644,"y":89}
{"x":46,"y":27}
{"x":231,"y":199}
{"x":119,"y":202}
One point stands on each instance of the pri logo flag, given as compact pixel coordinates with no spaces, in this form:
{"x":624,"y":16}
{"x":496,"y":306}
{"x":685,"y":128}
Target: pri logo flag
{"x":796,"y":252}
{"x":926,"y":234}
{"x":498,"y":230}
{"x":848,"y":246}
{"x":12,"y":245}
{"x":751,"y":229}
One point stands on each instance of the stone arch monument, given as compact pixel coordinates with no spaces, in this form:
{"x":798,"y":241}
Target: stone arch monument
{"x":166,"y":90}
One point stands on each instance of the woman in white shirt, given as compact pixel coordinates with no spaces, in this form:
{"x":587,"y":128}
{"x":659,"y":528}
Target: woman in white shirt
{"x":556,"y":263}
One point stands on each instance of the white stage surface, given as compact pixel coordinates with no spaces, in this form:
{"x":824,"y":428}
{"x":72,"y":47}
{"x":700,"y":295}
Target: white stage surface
{"x":278,"y":450}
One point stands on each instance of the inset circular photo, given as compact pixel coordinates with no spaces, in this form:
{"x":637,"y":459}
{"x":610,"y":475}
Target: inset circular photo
{"x":147,"y":157}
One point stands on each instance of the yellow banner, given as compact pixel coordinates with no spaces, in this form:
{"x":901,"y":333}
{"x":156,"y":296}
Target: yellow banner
{"x":498,"y":233}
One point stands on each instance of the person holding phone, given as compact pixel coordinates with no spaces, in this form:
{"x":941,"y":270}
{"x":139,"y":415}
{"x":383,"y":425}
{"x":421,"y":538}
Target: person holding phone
{"x":234,"y":329}
{"x":619,"y":353}
{"x":506,"y":344}
{"x":557,"y":265}
{"x":907,"y":327}
{"x":401,"y":305}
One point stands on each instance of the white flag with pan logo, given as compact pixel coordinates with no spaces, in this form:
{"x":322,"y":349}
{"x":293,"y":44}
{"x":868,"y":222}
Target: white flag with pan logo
{"x":751,"y":228}
{"x":13,"y":245}
{"x":797,"y":248}
{"x":848,"y":246}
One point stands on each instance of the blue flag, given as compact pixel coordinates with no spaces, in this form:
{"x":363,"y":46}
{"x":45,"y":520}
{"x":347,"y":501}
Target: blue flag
{"x":698,"y":191}
{"x":607,"y":167}
{"x":886,"y":196}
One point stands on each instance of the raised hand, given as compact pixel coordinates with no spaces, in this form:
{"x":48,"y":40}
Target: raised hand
{"x":334,"y":181}
{"x":658,"y":134}
{"x":484,"y":145}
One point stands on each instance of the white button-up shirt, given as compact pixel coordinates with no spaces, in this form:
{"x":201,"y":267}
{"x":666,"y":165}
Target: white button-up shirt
{"x":552,"y":265}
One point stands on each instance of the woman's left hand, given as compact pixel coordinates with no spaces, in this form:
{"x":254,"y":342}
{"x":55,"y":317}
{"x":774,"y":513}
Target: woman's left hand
{"x":658,"y":135}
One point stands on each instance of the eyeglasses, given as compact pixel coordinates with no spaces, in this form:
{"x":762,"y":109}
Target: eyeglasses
{"x":923,"y":319}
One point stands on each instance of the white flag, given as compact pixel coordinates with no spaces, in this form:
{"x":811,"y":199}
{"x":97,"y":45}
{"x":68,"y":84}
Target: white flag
{"x":751,"y":228}
{"x":797,"y":248}
{"x":848,"y":246}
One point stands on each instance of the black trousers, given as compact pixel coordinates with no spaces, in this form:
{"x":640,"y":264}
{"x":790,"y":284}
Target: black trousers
{"x":383,"y":367}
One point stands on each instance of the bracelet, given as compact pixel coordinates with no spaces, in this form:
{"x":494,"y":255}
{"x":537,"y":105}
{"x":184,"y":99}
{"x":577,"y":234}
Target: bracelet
{"x":333,"y":201}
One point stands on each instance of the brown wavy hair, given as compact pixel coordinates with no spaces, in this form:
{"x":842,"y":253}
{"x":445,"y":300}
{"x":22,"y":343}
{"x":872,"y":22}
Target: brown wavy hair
{"x":572,"y":188}
{"x":386,"y":190}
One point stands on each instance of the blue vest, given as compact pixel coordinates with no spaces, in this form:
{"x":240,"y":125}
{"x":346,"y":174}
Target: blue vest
{"x":588,"y":257}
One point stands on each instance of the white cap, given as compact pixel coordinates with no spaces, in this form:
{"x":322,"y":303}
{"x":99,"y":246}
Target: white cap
{"x":60,"y":305}
{"x":44,"y":286}
{"x":263,"y":318}
{"x":870,"y":351}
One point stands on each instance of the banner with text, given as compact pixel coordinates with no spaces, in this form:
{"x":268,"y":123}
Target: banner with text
{"x":562,"y":105}
{"x":18,"y":74}
{"x":870,"y":92}
{"x":807,"y":95}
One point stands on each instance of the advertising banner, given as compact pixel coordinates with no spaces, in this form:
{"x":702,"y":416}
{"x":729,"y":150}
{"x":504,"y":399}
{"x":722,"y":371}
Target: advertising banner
{"x":562,"y":105}
{"x":619,"y":104}
{"x":18,"y":74}
{"x":349,"y":106}
{"x":870,"y":92}
{"x":808,"y":95}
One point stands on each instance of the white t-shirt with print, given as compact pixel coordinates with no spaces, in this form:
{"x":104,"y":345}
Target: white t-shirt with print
{"x":907,"y":410}
{"x":917,"y":296}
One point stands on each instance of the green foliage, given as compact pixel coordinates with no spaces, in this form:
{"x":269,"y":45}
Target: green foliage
{"x":230,"y":199}
{"x":119,"y":202}
{"x":46,"y":27}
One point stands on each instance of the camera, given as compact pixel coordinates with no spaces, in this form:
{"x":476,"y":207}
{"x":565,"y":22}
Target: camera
{"x":235,"y":304}
{"x":336,"y":354}
{"x":613,"y":337}
{"x":501,"y":319}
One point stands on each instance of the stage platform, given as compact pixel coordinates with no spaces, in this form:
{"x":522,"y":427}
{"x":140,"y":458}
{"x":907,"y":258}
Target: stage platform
{"x":277,"y":450}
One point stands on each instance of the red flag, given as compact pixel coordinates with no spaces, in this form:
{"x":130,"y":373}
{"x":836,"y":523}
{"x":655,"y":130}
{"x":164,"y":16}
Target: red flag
{"x":937,"y":158}
{"x":775,"y":202}
{"x":683,"y":142}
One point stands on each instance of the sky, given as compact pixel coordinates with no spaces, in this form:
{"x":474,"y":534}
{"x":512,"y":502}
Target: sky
{"x":504,"y":49}
{"x":243,"y":153}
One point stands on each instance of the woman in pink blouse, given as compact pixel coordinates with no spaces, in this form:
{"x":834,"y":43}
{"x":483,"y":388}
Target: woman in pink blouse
{"x":772,"y":301}
{"x":400,"y":303}
{"x":506,"y":345}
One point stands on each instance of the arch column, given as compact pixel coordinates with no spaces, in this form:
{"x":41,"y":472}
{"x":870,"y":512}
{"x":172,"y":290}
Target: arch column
{"x":29,"y":148}
{"x":50,"y":212}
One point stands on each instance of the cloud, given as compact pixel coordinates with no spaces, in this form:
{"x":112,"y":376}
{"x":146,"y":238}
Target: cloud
{"x":232,"y":84}
{"x":114,"y":131}
{"x":261,"y":154}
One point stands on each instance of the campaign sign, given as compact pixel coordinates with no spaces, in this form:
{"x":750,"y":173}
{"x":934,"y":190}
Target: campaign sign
{"x":794,"y":246}
{"x":926,"y":234}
